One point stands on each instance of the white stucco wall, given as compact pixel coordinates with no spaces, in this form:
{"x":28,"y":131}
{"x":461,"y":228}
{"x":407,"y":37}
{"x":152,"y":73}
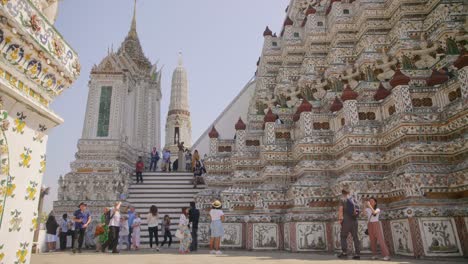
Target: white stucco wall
{"x":227,"y":119}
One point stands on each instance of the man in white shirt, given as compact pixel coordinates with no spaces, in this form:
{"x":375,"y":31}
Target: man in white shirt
{"x":114,"y":228}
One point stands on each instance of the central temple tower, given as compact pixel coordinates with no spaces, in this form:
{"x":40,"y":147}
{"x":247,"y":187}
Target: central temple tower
{"x":178,"y":124}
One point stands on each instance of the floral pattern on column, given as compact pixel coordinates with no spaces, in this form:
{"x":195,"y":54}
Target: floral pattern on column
{"x":351,"y":112}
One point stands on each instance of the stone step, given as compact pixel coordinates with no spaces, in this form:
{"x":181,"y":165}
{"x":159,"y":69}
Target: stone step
{"x":134,"y":200}
{"x":147,"y":205}
{"x":160,"y":173}
{"x":164,"y":178}
{"x":161,"y":195}
{"x":164,"y":191}
{"x":162,"y":186}
{"x":165,"y":182}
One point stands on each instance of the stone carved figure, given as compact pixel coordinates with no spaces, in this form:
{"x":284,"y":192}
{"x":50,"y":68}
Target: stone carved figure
{"x":319,"y":91}
{"x":351,"y":77}
{"x":426,"y":59}
{"x":386,"y":67}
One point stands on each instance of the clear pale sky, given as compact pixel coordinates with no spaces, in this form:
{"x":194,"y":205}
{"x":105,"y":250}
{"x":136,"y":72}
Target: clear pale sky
{"x":221,"y":41}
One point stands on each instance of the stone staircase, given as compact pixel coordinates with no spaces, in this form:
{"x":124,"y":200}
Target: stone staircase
{"x":169,"y":191}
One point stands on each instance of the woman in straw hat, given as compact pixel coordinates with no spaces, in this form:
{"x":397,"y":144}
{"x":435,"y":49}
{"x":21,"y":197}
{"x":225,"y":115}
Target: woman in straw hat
{"x":216,"y":227}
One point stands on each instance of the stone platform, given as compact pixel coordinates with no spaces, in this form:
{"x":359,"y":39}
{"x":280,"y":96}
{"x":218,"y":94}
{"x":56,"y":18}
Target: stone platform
{"x":246,"y":257}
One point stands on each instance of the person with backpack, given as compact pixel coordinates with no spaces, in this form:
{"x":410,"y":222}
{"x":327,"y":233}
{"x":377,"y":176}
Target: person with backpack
{"x":139,"y":167}
{"x":154,"y":159}
{"x":113,"y":221}
{"x":348,"y":217}
{"x":375,"y":230}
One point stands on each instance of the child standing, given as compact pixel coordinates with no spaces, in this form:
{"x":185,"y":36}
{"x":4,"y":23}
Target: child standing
{"x":124,"y":233}
{"x":136,"y":231}
{"x":166,"y":227}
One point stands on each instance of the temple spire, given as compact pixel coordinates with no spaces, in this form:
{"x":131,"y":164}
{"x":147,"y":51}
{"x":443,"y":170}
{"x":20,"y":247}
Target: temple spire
{"x":133,"y":32}
{"x":180,"y":60}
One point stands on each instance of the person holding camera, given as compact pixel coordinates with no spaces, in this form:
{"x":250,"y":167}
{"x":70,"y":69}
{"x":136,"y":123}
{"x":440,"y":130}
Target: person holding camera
{"x":114,"y":228}
{"x":375,"y":230}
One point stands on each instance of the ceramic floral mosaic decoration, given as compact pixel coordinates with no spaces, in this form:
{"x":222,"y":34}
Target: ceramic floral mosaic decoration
{"x":29,"y":80}
{"x":338,"y":105}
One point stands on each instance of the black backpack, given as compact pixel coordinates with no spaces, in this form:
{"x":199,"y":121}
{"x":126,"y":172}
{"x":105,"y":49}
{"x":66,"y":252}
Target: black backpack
{"x":108,"y":216}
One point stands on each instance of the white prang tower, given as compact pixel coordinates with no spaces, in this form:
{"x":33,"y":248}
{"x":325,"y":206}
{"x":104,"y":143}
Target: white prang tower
{"x":178,"y":124}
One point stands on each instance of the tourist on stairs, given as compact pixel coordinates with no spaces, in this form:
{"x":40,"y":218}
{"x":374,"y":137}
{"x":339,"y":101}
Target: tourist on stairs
{"x":82,"y":219}
{"x":136,"y":232}
{"x":197,"y":174}
{"x":113,"y":218}
{"x":347,"y":216}
{"x":183,"y":233}
{"x":216,"y":227}
{"x":194,"y":216}
{"x":51,"y":228}
{"x":166,"y":160}
{"x":154,"y":160}
{"x":195,"y":158}
{"x":153,"y":223}
{"x":140,"y":166}
{"x":375,"y":230}
{"x":166,"y":228}
{"x":188,"y":160}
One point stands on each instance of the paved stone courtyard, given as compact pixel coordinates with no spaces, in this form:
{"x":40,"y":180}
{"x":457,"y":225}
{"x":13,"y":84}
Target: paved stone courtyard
{"x":202,"y":257}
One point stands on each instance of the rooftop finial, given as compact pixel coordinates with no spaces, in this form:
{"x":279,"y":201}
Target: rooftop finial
{"x":133,"y":32}
{"x":180,"y":58}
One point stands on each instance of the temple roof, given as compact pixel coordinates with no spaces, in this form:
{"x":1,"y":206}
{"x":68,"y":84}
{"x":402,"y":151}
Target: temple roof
{"x":132,"y":48}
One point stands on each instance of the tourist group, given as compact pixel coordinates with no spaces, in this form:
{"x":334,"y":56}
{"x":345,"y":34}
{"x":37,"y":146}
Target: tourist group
{"x":119,"y":230}
{"x":122,"y":231}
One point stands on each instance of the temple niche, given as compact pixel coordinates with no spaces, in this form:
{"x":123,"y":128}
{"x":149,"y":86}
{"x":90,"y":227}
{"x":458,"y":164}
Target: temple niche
{"x":384,"y":115}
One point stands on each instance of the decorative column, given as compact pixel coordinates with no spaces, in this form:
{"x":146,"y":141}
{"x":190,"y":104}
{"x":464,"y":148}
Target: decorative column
{"x":240,"y":135}
{"x":401,"y":93}
{"x":350,"y":106}
{"x":305,"y":118}
{"x":214,"y":135}
{"x":269,"y":136}
{"x":462,"y":65}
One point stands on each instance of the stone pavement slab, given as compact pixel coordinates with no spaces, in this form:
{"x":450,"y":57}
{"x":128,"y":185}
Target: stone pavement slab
{"x":202,"y":257}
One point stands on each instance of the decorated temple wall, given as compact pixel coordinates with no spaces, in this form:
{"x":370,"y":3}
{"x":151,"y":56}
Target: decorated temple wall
{"x":36,"y":65}
{"x":384,"y":116}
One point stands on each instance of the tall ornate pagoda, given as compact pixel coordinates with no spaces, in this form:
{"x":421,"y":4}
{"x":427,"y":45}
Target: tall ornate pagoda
{"x":373,"y":97}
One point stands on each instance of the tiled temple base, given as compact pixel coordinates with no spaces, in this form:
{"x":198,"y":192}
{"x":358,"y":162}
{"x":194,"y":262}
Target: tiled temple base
{"x":265,"y":236}
{"x":440,"y":237}
{"x":402,"y":243}
{"x":311,"y":236}
{"x":437,"y":236}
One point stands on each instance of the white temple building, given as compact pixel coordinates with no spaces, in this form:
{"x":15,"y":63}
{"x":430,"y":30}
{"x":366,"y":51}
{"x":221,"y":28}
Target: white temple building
{"x":178,"y":124}
{"x":122,"y":122}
